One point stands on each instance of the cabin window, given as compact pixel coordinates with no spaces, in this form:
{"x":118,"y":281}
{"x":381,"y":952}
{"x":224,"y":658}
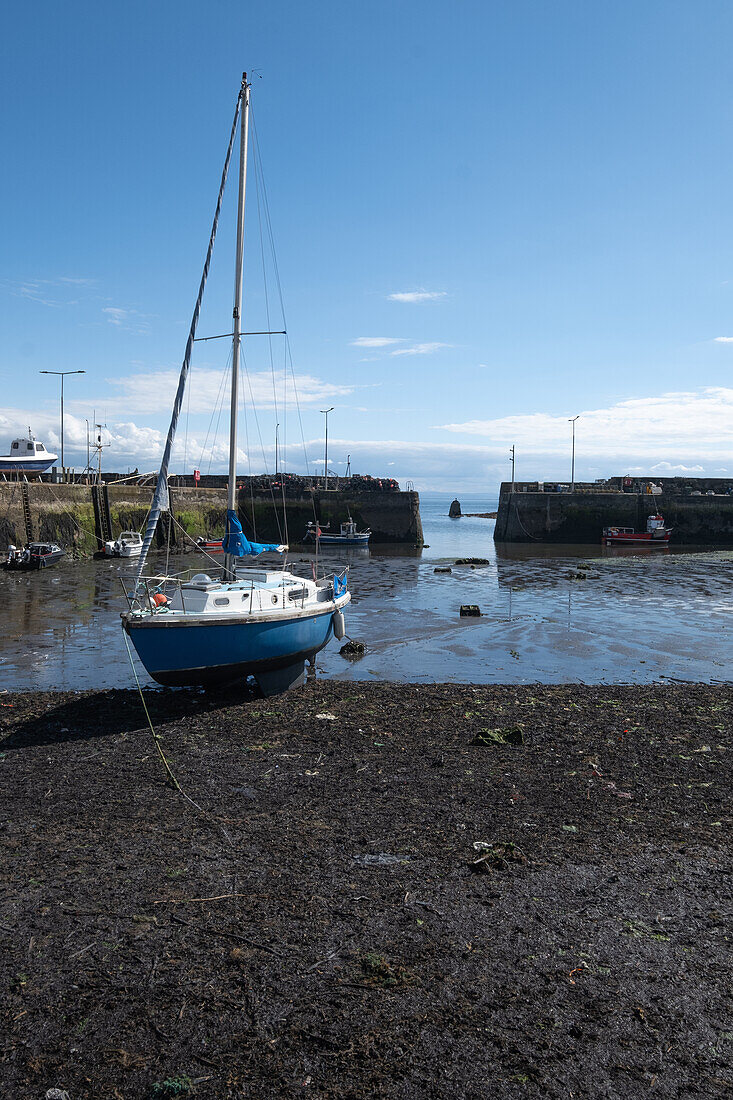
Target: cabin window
{"x":245,"y":595}
{"x":40,"y":447}
{"x":297,"y":593}
{"x":16,"y":446}
{"x":29,"y":447}
{"x":220,"y":601}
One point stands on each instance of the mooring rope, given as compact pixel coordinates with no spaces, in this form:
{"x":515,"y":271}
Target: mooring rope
{"x":157,"y":740}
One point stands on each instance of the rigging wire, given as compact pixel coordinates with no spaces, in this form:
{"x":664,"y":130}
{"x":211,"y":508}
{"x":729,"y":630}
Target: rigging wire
{"x":276,"y":270}
{"x":245,"y":372}
{"x":161,"y":488}
{"x":216,"y":411}
{"x":185,"y":438}
{"x":243,"y":405}
{"x":259,"y":185}
{"x":72,"y":517}
{"x":258,"y":174}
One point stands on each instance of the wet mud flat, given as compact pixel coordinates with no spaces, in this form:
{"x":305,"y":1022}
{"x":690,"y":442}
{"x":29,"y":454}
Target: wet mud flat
{"x":388,"y":890}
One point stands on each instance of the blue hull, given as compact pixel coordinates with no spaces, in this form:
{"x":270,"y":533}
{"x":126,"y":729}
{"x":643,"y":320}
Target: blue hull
{"x":176,"y":653}
{"x":27,"y":468}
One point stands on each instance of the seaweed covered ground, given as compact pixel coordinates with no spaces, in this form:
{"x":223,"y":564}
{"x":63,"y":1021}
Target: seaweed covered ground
{"x":383,"y":890}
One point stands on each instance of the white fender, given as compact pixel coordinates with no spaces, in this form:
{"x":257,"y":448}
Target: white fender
{"x":339,"y":625}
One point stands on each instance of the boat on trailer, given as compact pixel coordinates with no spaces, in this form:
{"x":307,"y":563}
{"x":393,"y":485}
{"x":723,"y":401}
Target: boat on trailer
{"x":656,"y":534}
{"x":27,"y":456}
{"x":347,"y":536}
{"x":260,"y":622}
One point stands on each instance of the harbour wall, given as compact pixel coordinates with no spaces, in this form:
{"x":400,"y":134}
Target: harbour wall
{"x":75,"y":516}
{"x":580,"y":517}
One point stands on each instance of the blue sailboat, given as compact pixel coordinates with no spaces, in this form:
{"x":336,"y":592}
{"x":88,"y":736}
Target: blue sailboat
{"x":261,"y":622}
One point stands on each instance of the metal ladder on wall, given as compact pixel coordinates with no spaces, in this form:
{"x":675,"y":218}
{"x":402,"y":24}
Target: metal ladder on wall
{"x":27,"y":513}
{"x":102,"y":519}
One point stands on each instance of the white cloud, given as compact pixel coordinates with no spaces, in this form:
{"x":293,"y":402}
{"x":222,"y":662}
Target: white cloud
{"x":416,"y":295}
{"x":724,"y":340}
{"x":45,"y":292}
{"x":152,"y":393}
{"x":130,"y":320}
{"x":667,"y":469}
{"x":130,"y":444}
{"x":687,"y":428}
{"x":376,"y":341}
{"x":420,"y":349}
{"x":460,"y":466}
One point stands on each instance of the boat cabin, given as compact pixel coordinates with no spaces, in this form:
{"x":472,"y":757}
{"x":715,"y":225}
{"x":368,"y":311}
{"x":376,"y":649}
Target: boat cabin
{"x":253,"y":591}
{"x":21,"y":448}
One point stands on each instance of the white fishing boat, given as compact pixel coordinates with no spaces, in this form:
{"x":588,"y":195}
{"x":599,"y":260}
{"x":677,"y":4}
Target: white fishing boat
{"x":128,"y":545}
{"x":262,"y":622}
{"x":27,"y":456}
{"x":347,"y":536}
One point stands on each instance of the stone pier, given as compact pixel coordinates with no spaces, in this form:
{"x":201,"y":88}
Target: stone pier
{"x":66,"y":514}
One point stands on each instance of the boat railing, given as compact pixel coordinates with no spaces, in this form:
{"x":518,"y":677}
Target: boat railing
{"x":142,"y":597}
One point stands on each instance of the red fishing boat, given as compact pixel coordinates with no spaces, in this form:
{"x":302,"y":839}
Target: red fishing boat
{"x":656,"y":534}
{"x":210,"y":546}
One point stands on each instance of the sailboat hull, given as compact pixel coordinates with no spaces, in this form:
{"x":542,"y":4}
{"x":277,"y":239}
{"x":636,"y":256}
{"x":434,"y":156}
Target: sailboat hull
{"x":180,"y":652}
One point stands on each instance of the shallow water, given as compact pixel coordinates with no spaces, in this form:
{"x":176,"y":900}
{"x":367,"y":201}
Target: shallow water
{"x":635,"y":618}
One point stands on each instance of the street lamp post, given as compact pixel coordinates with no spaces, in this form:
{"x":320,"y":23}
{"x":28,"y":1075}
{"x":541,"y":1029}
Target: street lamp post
{"x":62,"y":374}
{"x":572,"y":465}
{"x":325,"y":454}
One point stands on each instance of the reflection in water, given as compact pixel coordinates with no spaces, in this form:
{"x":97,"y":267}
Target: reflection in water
{"x":627,"y":617}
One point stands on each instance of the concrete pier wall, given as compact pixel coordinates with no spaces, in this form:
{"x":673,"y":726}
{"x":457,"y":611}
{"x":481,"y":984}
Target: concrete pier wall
{"x":581,"y":517}
{"x":65,"y":514}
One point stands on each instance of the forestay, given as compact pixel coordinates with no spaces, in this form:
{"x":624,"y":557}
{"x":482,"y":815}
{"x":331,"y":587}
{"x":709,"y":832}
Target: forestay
{"x":161,"y":500}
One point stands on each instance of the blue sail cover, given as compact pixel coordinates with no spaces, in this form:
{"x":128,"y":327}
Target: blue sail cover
{"x":236,"y":543}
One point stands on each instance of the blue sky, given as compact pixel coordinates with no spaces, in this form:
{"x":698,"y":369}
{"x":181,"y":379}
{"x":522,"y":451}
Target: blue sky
{"x":489,"y":217}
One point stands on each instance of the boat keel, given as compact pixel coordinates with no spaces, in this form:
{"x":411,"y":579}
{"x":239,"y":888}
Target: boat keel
{"x":278,"y":680}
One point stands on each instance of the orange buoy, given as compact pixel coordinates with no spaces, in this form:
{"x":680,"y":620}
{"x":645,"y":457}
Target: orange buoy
{"x":159,"y":599}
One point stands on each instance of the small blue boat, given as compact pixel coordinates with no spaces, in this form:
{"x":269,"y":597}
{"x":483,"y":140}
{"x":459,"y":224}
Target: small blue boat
{"x":260,"y":622}
{"x":263,"y":624}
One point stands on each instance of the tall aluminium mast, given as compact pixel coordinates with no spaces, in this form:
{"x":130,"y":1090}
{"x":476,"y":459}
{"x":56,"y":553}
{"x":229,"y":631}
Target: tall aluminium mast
{"x":230,"y":559}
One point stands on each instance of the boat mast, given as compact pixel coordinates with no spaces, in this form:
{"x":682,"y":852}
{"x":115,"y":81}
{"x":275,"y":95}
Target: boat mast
{"x":229,"y":559}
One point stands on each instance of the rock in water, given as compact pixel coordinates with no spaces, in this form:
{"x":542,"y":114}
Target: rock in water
{"x":353,"y":650}
{"x":455,"y":509}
